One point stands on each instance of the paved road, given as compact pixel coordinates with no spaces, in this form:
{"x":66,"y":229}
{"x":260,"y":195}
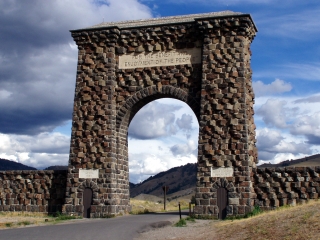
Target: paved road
{"x":119,"y":228}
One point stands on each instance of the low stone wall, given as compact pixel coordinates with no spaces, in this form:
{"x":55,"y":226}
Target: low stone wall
{"x":285,"y":186}
{"x":44,"y":191}
{"x":32,"y":191}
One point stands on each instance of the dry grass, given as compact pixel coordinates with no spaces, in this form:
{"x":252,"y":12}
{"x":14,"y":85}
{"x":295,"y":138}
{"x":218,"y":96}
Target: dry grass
{"x":143,"y":206}
{"x":299,"y":222}
{"x":19,"y":219}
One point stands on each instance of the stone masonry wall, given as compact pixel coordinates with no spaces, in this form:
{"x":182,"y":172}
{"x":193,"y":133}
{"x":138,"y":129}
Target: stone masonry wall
{"x":32,"y":191}
{"x":43,"y":191}
{"x":285,"y":186}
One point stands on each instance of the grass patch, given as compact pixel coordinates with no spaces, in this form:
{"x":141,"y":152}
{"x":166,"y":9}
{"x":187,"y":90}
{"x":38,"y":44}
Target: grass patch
{"x":8,"y":224}
{"x":24,"y":223}
{"x":181,"y":223}
{"x":64,"y":217}
{"x":256,"y":211}
{"x":190,"y":219}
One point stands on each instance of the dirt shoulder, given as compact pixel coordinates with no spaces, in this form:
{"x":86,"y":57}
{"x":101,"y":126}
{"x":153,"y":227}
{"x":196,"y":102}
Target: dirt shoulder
{"x":299,"y":222}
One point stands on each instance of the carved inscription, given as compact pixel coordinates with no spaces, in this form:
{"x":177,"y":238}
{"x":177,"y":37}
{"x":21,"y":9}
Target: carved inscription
{"x":222,"y":172}
{"x":88,"y":173}
{"x":161,"y":58}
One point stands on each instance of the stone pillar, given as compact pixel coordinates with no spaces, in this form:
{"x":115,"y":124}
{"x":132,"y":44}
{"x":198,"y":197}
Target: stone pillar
{"x":226,"y":137}
{"x":94,"y":140}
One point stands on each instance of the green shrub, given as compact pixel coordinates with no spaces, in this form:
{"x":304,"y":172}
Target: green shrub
{"x":9,"y":224}
{"x":25,"y":223}
{"x":181,"y":223}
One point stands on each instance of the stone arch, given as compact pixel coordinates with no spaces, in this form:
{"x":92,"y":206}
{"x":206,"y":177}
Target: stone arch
{"x":223,"y":183}
{"x":202,"y":60}
{"x":88,"y":183}
{"x":134,"y":103}
{"x":231,"y":193}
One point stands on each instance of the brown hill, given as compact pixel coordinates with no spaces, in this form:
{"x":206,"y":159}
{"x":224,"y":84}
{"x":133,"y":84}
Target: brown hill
{"x":6,"y":165}
{"x":177,"y":178}
{"x":310,"y":161}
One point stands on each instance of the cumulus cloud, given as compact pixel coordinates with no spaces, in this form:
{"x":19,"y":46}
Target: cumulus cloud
{"x":38,"y":69}
{"x":38,"y":57}
{"x":183,"y":149}
{"x":153,"y":121}
{"x":273,"y":146}
{"x":309,"y":126}
{"x":273,"y":113}
{"x":276,"y":87}
{"x":185,"y":123}
{"x":40,"y":151}
{"x":268,"y":138}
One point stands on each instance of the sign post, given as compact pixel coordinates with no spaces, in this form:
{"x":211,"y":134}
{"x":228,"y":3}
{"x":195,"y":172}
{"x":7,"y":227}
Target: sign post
{"x":165,"y":189}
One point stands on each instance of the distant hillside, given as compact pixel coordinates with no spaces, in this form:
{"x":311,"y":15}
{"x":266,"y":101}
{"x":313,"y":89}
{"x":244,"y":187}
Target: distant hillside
{"x":57,"y":167}
{"x":313,"y":160}
{"x":6,"y":165}
{"x":178,"y":178}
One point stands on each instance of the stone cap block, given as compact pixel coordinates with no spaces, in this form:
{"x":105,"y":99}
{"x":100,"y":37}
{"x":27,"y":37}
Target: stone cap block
{"x":164,"y":20}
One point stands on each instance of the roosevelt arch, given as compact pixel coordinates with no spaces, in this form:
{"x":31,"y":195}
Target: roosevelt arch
{"x":200,"y":59}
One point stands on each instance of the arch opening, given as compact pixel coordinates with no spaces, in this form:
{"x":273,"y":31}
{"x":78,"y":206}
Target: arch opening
{"x":163,"y":134}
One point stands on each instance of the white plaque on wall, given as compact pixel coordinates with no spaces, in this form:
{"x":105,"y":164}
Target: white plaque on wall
{"x":160,"y":58}
{"x":222,"y":172}
{"x":88,"y":173}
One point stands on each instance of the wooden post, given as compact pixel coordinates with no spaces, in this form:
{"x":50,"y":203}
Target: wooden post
{"x":165,"y":189}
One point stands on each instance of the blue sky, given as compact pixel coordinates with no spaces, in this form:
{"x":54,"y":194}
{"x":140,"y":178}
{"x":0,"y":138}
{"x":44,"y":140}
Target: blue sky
{"x":38,"y":69}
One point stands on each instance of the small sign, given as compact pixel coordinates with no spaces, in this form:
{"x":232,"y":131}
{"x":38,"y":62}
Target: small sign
{"x":88,"y":173}
{"x":161,"y":58}
{"x":222,"y":172}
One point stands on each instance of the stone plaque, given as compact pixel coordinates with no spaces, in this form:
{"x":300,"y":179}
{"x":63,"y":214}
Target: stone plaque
{"x":222,"y":172}
{"x":88,"y":173}
{"x":161,"y":58}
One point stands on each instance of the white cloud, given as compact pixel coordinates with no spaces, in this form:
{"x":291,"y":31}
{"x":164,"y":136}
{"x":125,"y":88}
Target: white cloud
{"x":309,"y":99}
{"x":309,"y":126}
{"x":154,"y":120}
{"x":38,"y":151}
{"x":274,"y":113}
{"x":268,"y":138}
{"x":150,"y":156}
{"x":183,"y":149}
{"x":276,"y":87}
